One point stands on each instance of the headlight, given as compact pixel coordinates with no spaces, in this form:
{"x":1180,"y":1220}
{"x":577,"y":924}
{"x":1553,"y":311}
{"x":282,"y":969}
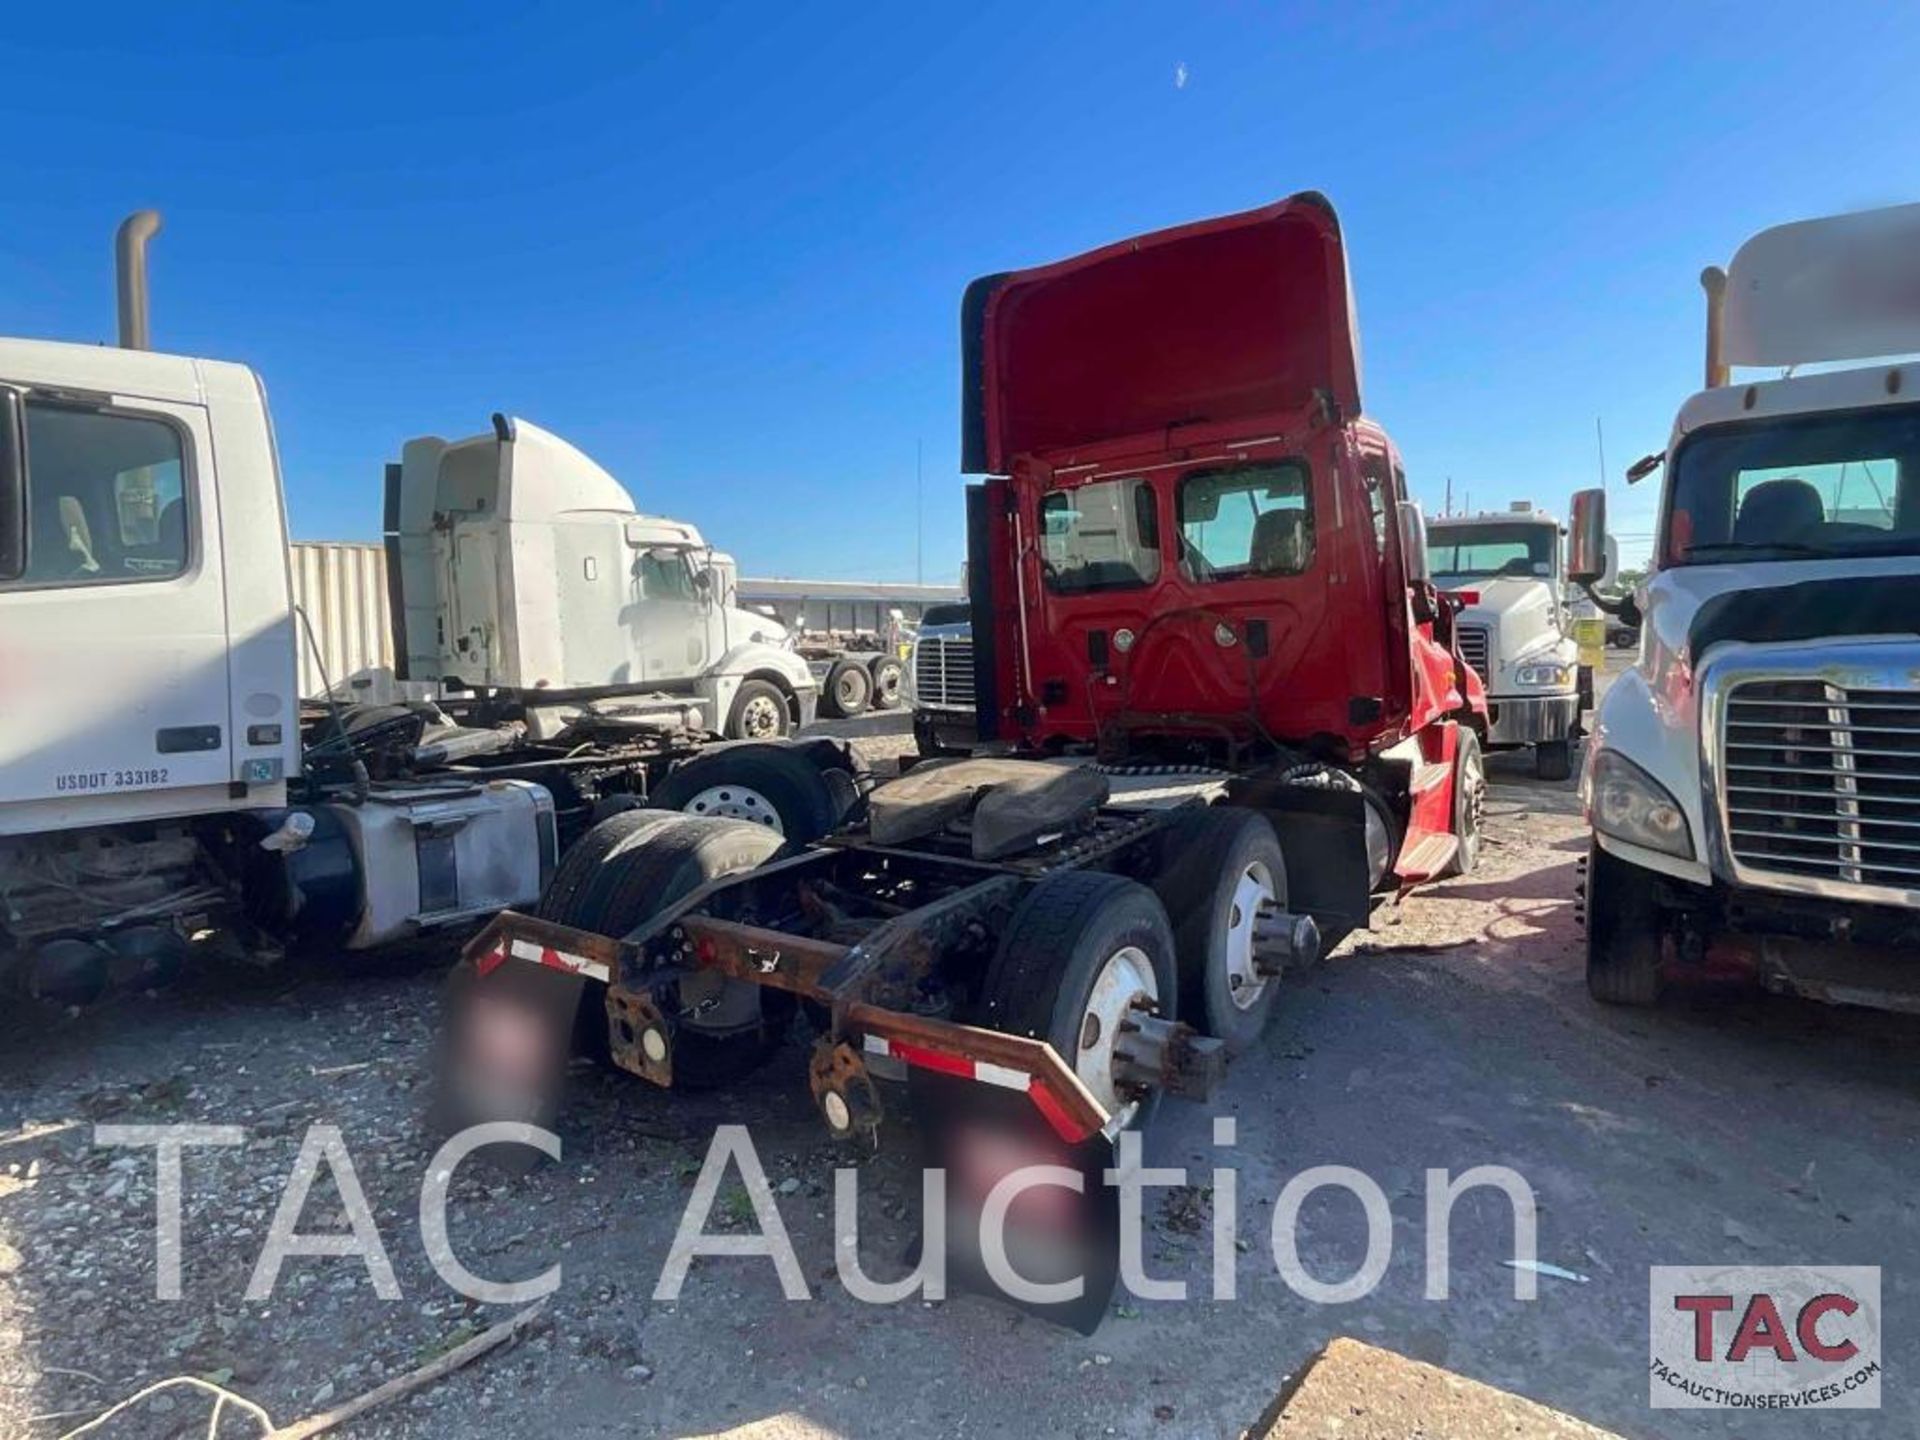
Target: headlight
{"x":1629,"y":804}
{"x":1544,"y":676}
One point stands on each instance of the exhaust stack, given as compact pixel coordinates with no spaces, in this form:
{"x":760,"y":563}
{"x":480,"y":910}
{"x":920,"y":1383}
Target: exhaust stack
{"x":130,"y":273}
{"x":1713,"y":280}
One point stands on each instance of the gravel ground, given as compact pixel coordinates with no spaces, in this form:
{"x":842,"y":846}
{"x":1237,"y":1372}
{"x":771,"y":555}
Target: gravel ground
{"x":1717,"y":1129}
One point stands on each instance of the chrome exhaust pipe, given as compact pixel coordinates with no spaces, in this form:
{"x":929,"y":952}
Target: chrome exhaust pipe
{"x":130,"y":274}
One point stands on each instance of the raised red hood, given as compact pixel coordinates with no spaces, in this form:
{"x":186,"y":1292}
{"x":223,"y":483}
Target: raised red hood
{"x":1219,"y":321}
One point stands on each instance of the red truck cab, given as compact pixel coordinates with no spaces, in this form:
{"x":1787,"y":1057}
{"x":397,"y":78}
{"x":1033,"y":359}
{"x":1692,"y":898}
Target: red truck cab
{"x":1192,"y":545}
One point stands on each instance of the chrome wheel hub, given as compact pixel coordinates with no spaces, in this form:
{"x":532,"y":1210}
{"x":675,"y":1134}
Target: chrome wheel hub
{"x":760,"y":718}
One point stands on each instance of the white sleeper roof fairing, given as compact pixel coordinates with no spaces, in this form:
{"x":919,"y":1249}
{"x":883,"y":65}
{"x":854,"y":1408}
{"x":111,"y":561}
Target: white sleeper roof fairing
{"x":1842,"y":288}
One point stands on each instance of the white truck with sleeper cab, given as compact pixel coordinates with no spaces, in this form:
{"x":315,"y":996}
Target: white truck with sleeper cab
{"x":1753,"y":782}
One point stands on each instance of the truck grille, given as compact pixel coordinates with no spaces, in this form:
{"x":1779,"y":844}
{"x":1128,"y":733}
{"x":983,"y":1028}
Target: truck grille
{"x":1824,"y":782}
{"x":1473,"y":649}
{"x":943,"y":672}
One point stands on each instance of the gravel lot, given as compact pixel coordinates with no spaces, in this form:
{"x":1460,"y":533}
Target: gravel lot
{"x":1736,"y":1129}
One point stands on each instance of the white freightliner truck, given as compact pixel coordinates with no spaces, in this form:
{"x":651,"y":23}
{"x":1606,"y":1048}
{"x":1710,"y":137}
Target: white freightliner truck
{"x":1753,"y":783}
{"x":1515,"y":627}
{"x":161,"y":789}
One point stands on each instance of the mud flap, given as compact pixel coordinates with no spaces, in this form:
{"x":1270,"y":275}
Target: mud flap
{"x":1323,"y":835}
{"x":1053,"y":1238}
{"x":507,"y":1041}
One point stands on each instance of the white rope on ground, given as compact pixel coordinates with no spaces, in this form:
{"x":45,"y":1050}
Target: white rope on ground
{"x":222,"y":1397}
{"x":509,"y":1329}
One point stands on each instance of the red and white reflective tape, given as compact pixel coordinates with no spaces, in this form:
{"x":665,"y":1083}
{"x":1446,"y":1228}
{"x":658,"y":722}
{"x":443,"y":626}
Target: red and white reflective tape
{"x":1064,"y":1124}
{"x":543,"y":955}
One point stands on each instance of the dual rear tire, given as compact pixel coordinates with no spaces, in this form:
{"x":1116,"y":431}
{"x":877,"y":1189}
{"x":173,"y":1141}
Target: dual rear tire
{"x":1084,"y":952}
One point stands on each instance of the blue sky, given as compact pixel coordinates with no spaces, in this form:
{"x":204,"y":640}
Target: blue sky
{"x":722,"y":247}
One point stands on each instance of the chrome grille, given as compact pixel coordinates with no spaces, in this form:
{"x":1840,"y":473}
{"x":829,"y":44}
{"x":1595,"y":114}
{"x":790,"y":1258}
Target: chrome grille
{"x":1824,"y":781}
{"x":943,"y":672}
{"x":1473,"y":649}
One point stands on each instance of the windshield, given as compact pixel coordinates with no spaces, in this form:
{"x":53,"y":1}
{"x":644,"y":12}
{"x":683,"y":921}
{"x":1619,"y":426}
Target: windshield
{"x":1791,"y":489}
{"x":1459,"y":553}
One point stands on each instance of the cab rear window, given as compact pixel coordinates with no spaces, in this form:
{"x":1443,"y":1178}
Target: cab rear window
{"x":1250,"y":520}
{"x":1102,"y":536}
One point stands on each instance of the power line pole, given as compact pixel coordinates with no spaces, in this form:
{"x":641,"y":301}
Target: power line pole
{"x":919,"y":519}
{"x":1448,"y":510}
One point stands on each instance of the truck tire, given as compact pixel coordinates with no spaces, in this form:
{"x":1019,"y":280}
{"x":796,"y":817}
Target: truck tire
{"x":759,"y":712}
{"x":777,"y":787}
{"x":1079,"y":947}
{"x":1553,"y":760}
{"x":1469,"y":801}
{"x":590,"y":852}
{"x":1216,"y":866}
{"x":848,"y":689}
{"x":888,"y":675}
{"x":1623,"y":931}
{"x":636,"y":882}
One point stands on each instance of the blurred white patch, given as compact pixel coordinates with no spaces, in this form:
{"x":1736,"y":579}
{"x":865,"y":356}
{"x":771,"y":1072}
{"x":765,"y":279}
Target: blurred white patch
{"x":1180,"y":76}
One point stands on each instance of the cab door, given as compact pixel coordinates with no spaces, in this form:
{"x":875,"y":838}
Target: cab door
{"x":114,"y":680}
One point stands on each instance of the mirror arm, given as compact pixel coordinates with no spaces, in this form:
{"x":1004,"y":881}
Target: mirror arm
{"x":1622,"y":609}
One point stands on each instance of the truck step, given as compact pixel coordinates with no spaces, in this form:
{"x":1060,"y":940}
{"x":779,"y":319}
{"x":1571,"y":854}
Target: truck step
{"x":1426,"y":858}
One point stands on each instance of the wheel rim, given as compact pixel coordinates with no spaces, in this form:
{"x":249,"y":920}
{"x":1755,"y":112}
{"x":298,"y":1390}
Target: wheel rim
{"x":736,"y":802}
{"x":1245,"y":983}
{"x":887,"y":689}
{"x":760,"y":717}
{"x":849,"y":689}
{"x":1473,"y":783}
{"x":1125,"y":984}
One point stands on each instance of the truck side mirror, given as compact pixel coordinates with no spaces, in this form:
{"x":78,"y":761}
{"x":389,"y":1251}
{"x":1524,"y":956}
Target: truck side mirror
{"x":13,"y":485}
{"x":1413,"y":542}
{"x":1587,"y":538}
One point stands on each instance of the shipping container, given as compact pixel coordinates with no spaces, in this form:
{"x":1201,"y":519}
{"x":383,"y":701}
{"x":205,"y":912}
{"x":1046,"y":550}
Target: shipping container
{"x":344,"y":623}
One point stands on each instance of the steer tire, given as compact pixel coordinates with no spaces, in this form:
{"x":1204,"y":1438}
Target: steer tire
{"x":1553,"y":760}
{"x":1624,"y":930}
{"x":1203,"y":857}
{"x":758,"y":690}
{"x":1469,"y":801}
{"x":1053,"y":950}
{"x":781,"y":782}
{"x":637,"y":883}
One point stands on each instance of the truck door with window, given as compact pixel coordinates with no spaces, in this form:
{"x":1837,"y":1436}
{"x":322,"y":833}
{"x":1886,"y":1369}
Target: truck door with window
{"x":114,"y":675}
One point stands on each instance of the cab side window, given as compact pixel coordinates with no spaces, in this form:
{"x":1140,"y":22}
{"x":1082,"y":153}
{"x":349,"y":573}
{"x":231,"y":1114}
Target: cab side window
{"x":1250,"y":520}
{"x":106,"y":498}
{"x":663,"y":574}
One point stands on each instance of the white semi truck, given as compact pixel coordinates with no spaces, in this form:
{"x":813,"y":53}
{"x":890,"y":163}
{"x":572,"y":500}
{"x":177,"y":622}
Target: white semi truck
{"x":1753,"y":783}
{"x":1515,"y":627}
{"x":162,"y":789}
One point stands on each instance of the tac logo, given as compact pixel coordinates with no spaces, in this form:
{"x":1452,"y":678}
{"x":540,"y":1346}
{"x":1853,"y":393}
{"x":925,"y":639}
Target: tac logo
{"x":1751,"y":1337}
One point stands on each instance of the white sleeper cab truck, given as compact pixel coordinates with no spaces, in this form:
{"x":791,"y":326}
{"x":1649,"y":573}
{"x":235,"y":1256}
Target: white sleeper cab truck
{"x":525,"y":567}
{"x":1515,"y":628}
{"x":164,"y":792}
{"x":1753,"y":782}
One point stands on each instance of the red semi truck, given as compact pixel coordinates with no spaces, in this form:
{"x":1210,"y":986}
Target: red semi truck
{"x":1221,"y":710}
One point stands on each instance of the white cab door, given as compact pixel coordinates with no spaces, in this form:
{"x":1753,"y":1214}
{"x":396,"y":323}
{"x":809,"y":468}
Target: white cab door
{"x":114,"y":682}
